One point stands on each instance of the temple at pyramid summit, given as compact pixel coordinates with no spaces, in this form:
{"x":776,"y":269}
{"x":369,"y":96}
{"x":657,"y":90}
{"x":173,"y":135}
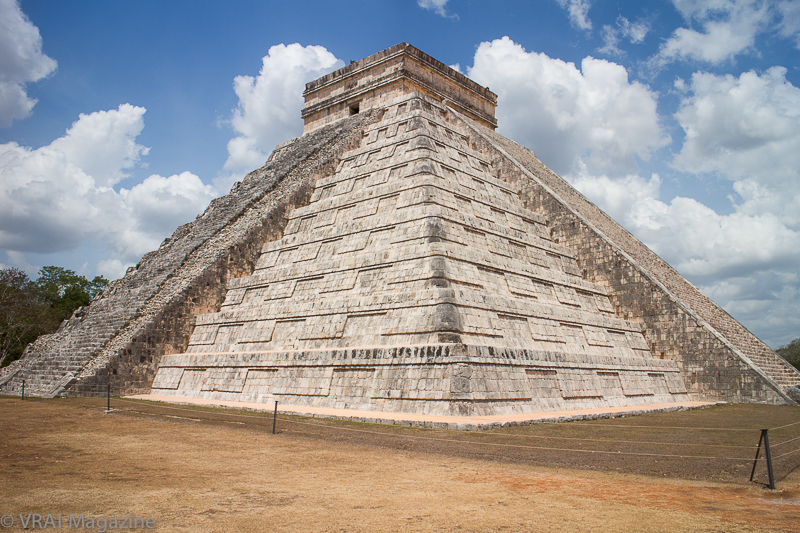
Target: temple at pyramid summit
{"x":401,"y":256}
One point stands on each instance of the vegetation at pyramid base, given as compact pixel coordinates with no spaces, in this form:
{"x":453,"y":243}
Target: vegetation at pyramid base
{"x":29,"y":308}
{"x":791,"y":352}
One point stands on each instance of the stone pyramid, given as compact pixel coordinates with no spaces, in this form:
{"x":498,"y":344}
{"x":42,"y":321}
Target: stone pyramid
{"x":402,"y":256}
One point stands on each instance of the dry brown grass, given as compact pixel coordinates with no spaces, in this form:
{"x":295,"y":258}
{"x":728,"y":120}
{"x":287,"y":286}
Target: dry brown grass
{"x":205,"y":471}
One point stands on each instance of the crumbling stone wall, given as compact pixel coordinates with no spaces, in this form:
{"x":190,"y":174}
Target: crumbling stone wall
{"x":721,"y":359}
{"x":121,"y":336}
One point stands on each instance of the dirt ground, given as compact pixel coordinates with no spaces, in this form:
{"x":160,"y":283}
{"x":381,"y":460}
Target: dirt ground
{"x":192,"y":472}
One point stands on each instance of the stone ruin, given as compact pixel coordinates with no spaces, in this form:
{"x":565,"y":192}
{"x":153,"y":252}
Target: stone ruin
{"x":402,"y":256}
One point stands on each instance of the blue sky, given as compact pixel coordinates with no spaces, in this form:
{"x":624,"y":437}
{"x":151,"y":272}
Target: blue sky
{"x":121,"y":120}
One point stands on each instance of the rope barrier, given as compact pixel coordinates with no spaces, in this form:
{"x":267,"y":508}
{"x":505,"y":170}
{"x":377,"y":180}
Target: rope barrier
{"x":464,"y":441}
{"x":675,"y":427}
{"x":628,"y":441}
{"x":421,"y":437}
{"x":785,"y":454}
{"x":784,"y":426}
{"x":785,"y":442}
{"x":510,"y":435}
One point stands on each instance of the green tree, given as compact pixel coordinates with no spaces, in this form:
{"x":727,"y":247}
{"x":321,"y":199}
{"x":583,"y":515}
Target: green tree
{"x":791,"y":352}
{"x":65,"y":291}
{"x":32,"y":308}
{"x":23,"y":316}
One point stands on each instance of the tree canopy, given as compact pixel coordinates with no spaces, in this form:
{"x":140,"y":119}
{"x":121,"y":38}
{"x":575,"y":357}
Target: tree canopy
{"x":791,"y":352}
{"x":32,"y":308}
{"x":64,"y":291}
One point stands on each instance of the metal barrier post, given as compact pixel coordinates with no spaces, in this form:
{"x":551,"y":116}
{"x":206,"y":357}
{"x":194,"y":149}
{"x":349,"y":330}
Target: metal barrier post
{"x":769,"y":460}
{"x":758,"y":451}
{"x":275,"y":417}
{"x":23,"y":389}
{"x":770,"y":475}
{"x":108,"y":398}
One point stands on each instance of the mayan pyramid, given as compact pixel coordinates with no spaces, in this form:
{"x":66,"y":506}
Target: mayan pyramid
{"x":402,"y":256}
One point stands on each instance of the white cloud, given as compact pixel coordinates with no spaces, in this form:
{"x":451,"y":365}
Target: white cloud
{"x":591,"y":124}
{"x":269,"y":106}
{"x":103,"y":144}
{"x":729,"y":27}
{"x":692,"y":237}
{"x":437,"y":6}
{"x":50,"y":201}
{"x":746,"y":129}
{"x":634,"y":32}
{"x":18,"y":260}
{"x":112,"y":268}
{"x":617,"y":196}
{"x":157,"y":206}
{"x":21,"y":62}
{"x":766,"y":300}
{"x":790,"y":20}
{"x":745,"y":262}
{"x":702,"y":243}
{"x":593,"y":120}
{"x":578,"y":11}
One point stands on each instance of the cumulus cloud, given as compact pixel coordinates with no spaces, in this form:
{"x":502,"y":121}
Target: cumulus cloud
{"x":591,"y":124}
{"x":103,"y":144}
{"x":634,"y":32}
{"x":437,"y":6}
{"x":21,"y":62}
{"x":691,"y":236}
{"x":746,"y":129}
{"x":157,"y":206}
{"x":578,"y":11}
{"x":706,"y":245}
{"x":592,"y":121}
{"x":765,"y":300}
{"x":618,"y":197}
{"x":269,"y":106}
{"x":18,"y":260}
{"x":57,"y":197}
{"x":729,"y":27}
{"x":745,"y":262}
{"x":789,"y":25}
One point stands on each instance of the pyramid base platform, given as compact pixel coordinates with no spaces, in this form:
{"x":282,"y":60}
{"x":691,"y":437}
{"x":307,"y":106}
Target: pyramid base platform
{"x":439,"y":380}
{"x":464,"y":423}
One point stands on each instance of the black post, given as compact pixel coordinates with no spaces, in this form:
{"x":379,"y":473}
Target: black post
{"x":769,"y":460}
{"x":108,"y":398}
{"x":275,"y":417}
{"x":23,"y":389}
{"x":770,"y":475}
{"x":758,"y":451}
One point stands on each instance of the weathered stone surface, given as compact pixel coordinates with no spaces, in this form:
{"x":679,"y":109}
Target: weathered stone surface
{"x":415,"y":280}
{"x":402,"y":256}
{"x":149,"y":312}
{"x":391,"y":73}
{"x":720,"y":358}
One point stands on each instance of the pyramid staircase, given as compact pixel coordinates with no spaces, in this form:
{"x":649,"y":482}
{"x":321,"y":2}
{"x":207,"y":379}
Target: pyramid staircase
{"x":403,"y":256}
{"x":416,"y":281}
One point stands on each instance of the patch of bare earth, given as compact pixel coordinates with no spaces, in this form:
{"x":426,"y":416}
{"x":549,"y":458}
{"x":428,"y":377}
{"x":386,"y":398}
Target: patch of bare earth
{"x":195,"y":470}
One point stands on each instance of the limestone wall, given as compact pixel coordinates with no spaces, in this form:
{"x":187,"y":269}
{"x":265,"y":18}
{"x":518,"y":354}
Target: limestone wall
{"x":720,"y":358}
{"x":391,"y":73}
{"x":443,"y":379}
{"x":416,"y":281}
{"x":122,"y":335}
